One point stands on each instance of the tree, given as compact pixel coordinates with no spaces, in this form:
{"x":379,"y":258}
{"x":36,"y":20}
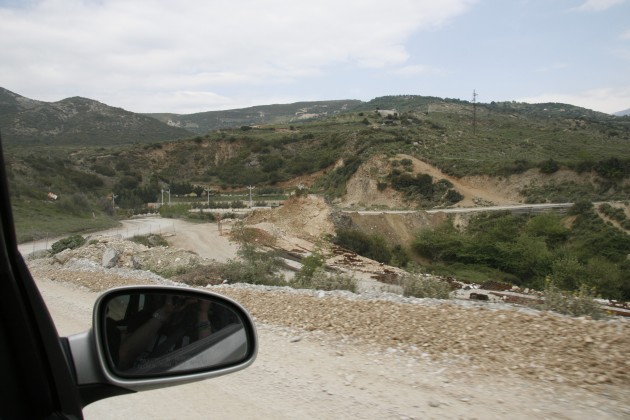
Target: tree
{"x":549,"y":166}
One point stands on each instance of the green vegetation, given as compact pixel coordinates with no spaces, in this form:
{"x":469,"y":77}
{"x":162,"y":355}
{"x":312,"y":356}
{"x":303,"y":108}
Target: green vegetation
{"x":525,"y":250}
{"x":510,"y":138}
{"x":149,"y":241}
{"x":421,"y":286}
{"x":313,"y":275}
{"x":36,"y":220}
{"x":617,"y":214}
{"x":577,"y":303}
{"x":254,"y":265}
{"x":71,"y":242}
{"x":422,"y":188}
{"x":370,"y":246}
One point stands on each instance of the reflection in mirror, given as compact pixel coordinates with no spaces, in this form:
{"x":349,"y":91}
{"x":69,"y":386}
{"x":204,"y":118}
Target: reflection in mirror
{"x":148,"y":334}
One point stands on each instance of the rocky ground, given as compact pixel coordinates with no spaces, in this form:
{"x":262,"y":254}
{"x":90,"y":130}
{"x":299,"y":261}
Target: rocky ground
{"x":471,"y":338}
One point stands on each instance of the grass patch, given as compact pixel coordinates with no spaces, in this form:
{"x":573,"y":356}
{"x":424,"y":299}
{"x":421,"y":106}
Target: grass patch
{"x":34,"y":221}
{"x":149,"y":241}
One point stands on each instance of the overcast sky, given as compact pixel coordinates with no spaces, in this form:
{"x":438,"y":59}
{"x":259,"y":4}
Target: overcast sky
{"x":190,"y":56}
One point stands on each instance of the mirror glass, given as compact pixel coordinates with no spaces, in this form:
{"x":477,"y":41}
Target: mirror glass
{"x":147,"y":334}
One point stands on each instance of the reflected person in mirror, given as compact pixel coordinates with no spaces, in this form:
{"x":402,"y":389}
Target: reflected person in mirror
{"x":176,"y":323}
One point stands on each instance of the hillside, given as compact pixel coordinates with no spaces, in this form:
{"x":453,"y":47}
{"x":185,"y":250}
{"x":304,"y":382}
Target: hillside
{"x":391,"y":152}
{"x":77,"y":122}
{"x":203,"y":122}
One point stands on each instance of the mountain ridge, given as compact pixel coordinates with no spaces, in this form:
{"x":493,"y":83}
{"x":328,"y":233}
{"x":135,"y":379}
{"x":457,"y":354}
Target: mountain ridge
{"x":76,"y":121}
{"x":83,"y":121}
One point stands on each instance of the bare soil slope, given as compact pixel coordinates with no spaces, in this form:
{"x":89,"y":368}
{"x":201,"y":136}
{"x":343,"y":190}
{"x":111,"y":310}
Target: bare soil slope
{"x":362,"y":188}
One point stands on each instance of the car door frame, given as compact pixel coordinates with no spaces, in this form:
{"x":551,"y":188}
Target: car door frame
{"x":39,"y":380}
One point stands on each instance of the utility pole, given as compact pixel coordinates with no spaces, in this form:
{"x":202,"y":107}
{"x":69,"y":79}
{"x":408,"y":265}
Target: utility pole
{"x":207,"y":190}
{"x":474,"y":101}
{"x":251,"y":203}
{"x":169,"y":196}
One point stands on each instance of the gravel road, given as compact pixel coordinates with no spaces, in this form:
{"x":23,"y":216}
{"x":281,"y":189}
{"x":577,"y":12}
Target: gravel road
{"x":316,"y":374}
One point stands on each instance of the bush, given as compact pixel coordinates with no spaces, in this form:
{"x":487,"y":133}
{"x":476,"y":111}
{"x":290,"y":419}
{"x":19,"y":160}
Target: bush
{"x":104,"y":170}
{"x":453,"y":196}
{"x":549,"y":166}
{"x":313,"y":275}
{"x":76,"y":204}
{"x":149,"y":241}
{"x":578,"y":303}
{"x":369,"y":246}
{"x":425,"y":287}
{"x":255,"y":266}
{"x":263,"y":272}
{"x":321,"y":280}
{"x":71,"y":242}
{"x":581,"y":207}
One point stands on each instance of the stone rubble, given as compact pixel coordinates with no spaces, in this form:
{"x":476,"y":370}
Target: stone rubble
{"x":496,"y":338}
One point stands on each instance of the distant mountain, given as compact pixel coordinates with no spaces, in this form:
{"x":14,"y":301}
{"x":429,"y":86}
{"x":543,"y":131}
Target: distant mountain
{"x":204,"y":122}
{"x":77,"y":121}
{"x":622,"y":113}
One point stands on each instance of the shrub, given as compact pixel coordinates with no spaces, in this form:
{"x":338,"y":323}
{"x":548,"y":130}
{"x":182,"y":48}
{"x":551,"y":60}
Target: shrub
{"x":255,"y":267}
{"x":104,"y":170}
{"x":578,"y":303}
{"x":549,"y":166}
{"x":76,"y":204}
{"x":321,"y":280}
{"x":453,"y":196}
{"x":71,"y":242}
{"x":420,"y":286}
{"x":581,"y":207}
{"x":149,"y":240}
{"x":400,"y":256}
{"x":369,"y":246}
{"x":313,"y":275}
{"x":309,"y":265}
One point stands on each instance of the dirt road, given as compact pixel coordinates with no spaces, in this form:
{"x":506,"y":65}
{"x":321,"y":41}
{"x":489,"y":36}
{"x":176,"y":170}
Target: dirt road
{"x":204,"y":239}
{"x":315,"y":374}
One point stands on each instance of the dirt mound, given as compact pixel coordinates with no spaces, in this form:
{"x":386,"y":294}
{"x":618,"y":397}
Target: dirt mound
{"x":308,"y":217}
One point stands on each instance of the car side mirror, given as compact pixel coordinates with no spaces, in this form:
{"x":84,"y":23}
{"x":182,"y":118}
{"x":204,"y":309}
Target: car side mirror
{"x":154,"y":336}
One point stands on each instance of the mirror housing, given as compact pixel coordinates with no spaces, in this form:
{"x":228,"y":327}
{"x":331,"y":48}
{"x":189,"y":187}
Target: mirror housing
{"x":146,"y":337}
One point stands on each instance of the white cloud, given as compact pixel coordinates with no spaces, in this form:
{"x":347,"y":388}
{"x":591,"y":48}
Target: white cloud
{"x":413,"y":70}
{"x":609,"y":100}
{"x":598,"y":5}
{"x":104,"y":48}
